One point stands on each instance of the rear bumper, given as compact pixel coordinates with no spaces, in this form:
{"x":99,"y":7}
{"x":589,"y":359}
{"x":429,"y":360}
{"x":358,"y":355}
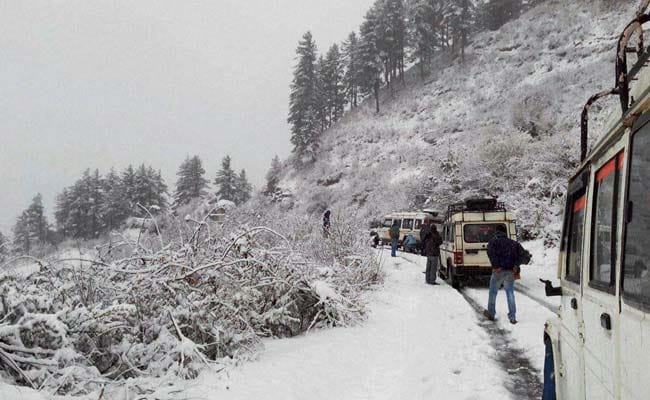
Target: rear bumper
{"x":469,"y":270}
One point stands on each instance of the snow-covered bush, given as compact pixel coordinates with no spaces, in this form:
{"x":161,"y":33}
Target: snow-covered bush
{"x":198,"y":293}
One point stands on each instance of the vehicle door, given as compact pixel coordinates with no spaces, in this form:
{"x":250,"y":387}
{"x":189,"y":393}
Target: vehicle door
{"x":447,"y":248}
{"x":476,"y":236}
{"x":635,"y":278}
{"x":570,"y":374}
{"x":600,"y":305}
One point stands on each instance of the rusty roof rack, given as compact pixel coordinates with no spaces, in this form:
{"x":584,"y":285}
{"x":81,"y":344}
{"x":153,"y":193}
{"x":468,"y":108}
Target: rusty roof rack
{"x":623,"y":75}
{"x":476,"y":205}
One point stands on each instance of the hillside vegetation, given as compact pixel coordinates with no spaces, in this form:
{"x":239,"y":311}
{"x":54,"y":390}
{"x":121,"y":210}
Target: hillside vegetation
{"x":505,"y":122}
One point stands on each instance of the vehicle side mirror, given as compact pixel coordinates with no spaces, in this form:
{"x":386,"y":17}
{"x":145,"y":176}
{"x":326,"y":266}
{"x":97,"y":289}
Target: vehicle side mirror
{"x":550,"y":290}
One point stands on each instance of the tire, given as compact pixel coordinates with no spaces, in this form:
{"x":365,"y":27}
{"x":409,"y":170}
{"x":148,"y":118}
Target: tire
{"x":452,"y":280}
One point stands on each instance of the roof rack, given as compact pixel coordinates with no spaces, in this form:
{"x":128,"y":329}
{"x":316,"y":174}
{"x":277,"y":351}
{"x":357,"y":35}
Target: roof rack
{"x":623,"y":75}
{"x":476,"y":205}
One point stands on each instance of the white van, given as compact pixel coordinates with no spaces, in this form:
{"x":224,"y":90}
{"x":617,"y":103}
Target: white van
{"x":600,"y":340}
{"x":466,"y":231}
{"x":410,"y":223}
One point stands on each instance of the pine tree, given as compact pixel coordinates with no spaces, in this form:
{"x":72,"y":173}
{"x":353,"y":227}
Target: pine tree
{"x":80,"y":207}
{"x":4,"y":246}
{"x":460,"y":14}
{"x":495,"y":13}
{"x":321,"y":104}
{"x":150,"y":190}
{"x":273,"y":177}
{"x":303,"y":107}
{"x":371,"y":65}
{"x":23,"y":241}
{"x":350,"y":53}
{"x":424,"y":17}
{"x":244,"y":188}
{"x":191,"y":183}
{"x":333,"y":84}
{"x":31,"y":227}
{"x":115,"y":209}
{"x":226,"y":181}
{"x":391,"y":38}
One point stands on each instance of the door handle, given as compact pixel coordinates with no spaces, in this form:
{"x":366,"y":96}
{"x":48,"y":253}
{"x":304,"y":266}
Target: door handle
{"x":574,"y":303}
{"x":606,"y":321}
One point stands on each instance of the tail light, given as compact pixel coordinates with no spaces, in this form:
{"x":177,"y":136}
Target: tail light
{"x":458,"y":257}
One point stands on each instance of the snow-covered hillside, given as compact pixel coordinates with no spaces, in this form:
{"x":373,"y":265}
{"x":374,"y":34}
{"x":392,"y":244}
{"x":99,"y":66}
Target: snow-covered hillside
{"x":505,"y":122}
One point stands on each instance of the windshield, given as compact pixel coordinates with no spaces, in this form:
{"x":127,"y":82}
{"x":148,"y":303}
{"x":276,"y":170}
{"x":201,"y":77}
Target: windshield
{"x":480,"y":233}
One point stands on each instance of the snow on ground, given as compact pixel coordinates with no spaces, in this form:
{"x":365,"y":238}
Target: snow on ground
{"x":419,"y":342}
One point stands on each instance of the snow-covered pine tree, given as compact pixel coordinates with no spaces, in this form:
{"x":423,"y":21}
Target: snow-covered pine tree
{"x":79,"y":212}
{"x":244,"y":188}
{"x":115,"y":209}
{"x":128,"y":182}
{"x":4,"y":246}
{"x":191,"y":183}
{"x":31,"y":227}
{"x":273,"y":177}
{"x":425,"y":17}
{"x":461,"y":16}
{"x":391,"y":38}
{"x":350,"y":50}
{"x":322,"y":106}
{"x":371,"y":66}
{"x":226,"y":181}
{"x":334,"y":85}
{"x":303,"y":109}
{"x":495,"y":13}
{"x":150,"y":190}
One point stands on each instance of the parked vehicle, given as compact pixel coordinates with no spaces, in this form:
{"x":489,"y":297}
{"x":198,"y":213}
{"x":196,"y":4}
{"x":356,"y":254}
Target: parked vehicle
{"x":466,"y":231}
{"x":600,"y":339}
{"x":410,"y":224}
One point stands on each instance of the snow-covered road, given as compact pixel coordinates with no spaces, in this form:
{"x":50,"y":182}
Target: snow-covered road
{"x":419,"y":342}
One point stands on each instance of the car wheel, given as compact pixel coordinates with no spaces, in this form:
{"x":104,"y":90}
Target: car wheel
{"x":452,"y":280}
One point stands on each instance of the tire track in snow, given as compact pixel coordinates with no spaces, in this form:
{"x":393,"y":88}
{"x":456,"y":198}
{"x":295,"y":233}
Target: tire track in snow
{"x":524,"y":382}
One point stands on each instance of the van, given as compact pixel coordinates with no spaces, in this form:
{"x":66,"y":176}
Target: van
{"x":466,"y":231}
{"x":410,"y":223}
{"x":598,"y":345}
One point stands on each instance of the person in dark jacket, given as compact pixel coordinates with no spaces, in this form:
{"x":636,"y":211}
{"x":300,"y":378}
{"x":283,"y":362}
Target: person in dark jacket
{"x":394,"y":238}
{"x":504,"y":254}
{"x":326,"y":223}
{"x":431,"y":245}
{"x":424,"y":232}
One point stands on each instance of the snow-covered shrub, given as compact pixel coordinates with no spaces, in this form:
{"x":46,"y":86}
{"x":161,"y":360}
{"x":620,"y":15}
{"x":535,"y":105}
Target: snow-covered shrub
{"x":198,"y":293}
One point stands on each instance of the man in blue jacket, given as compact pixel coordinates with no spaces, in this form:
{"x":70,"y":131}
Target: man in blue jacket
{"x":504,"y":254}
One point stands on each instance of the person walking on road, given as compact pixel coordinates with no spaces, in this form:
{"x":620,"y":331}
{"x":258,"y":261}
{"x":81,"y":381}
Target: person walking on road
{"x":394,"y":238}
{"x":504,"y":254}
{"x":431,"y":245}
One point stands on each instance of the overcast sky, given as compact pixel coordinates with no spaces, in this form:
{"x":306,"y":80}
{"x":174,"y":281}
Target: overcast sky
{"x":107,"y":83}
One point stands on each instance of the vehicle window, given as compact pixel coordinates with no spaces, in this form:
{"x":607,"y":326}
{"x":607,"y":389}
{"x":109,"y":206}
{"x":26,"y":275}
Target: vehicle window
{"x":387,"y":223}
{"x":636,"y":272}
{"x":397,"y":222}
{"x":407,"y":224}
{"x":418,"y":224}
{"x":603,"y":248}
{"x":480,"y":233}
{"x":575,"y":236}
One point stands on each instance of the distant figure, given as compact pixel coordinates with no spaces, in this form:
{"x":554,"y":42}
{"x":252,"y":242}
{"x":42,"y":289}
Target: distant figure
{"x":394,"y":238}
{"x":424,"y":232}
{"x":504,"y":254}
{"x":375,"y":239}
{"x":431,"y":245}
{"x":409,"y":243}
{"x":326,"y":223}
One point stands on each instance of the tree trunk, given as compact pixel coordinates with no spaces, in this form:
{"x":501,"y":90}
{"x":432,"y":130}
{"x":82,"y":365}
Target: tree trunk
{"x":377,"y":95}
